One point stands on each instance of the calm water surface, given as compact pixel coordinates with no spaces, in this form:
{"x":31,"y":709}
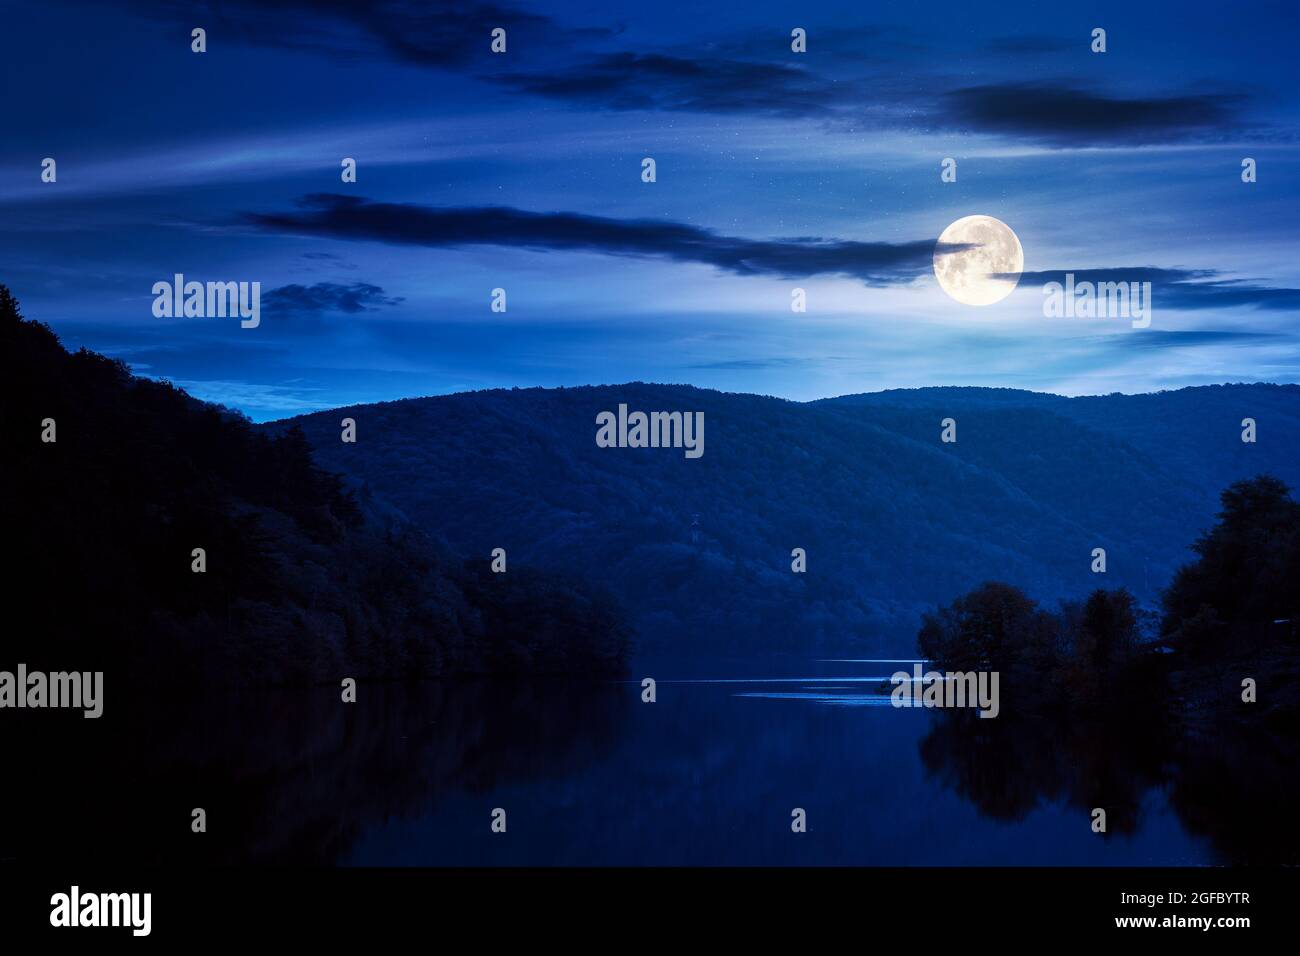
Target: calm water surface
{"x":590,"y":775}
{"x":710,"y":773}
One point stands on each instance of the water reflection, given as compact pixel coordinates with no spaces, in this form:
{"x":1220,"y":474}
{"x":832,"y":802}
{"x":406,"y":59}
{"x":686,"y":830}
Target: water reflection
{"x":590,"y":775}
{"x":1234,"y":785}
{"x":290,"y":776}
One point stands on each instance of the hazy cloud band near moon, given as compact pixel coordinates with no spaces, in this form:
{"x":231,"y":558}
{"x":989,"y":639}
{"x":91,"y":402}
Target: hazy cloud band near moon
{"x":336,"y":216}
{"x":1184,"y":289}
{"x":349,"y":217}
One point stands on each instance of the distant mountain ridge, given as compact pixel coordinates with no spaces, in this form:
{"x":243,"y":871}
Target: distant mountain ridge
{"x":1194,"y":430}
{"x":893,"y":520}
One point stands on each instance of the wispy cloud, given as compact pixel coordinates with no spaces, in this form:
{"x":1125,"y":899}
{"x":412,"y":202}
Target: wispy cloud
{"x":1158,"y":339}
{"x":349,"y":217}
{"x":753,"y":364}
{"x":275,"y":399}
{"x":322,"y":297}
{"x":656,"y":81}
{"x":433,"y":33}
{"x":853,"y":82}
{"x":1186,"y":289}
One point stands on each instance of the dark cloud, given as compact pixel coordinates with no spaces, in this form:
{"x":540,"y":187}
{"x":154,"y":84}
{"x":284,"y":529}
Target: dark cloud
{"x":754,"y":364}
{"x":859,"y":84}
{"x":1186,"y":289}
{"x":1152,"y":274}
{"x":348,"y":217}
{"x":1051,"y":114}
{"x":1166,"y":339}
{"x":1060,"y":114}
{"x":656,"y":81}
{"x":434,"y":33}
{"x":861,"y":42}
{"x":325,"y":297}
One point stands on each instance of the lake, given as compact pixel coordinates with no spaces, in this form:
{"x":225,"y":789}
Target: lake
{"x":588,"y":774}
{"x":709,"y":774}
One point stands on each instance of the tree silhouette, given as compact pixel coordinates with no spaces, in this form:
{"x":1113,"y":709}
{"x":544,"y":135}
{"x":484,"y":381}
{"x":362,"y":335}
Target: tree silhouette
{"x":1247,"y":572}
{"x":298,"y":586}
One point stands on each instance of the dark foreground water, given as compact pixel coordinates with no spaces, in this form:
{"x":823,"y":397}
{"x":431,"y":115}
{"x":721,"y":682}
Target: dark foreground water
{"x":710,"y":774}
{"x":589,"y":775}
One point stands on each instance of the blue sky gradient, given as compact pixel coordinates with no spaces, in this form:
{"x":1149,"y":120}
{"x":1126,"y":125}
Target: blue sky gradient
{"x":775,"y":170}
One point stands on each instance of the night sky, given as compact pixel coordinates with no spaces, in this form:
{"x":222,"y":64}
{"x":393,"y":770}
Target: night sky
{"x":775,"y":170}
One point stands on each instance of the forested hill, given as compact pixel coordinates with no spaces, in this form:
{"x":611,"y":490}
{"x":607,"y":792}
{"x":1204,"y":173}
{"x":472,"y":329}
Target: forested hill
{"x":893,"y":520}
{"x":1193,"y":432}
{"x":168,"y":542}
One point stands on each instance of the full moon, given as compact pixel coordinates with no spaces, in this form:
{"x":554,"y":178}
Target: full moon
{"x":986,"y":272}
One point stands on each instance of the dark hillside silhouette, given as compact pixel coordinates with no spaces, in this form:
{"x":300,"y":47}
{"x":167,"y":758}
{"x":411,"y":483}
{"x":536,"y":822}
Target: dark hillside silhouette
{"x":299,"y":587}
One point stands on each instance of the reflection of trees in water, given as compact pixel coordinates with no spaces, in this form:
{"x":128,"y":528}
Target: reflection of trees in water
{"x":1236,"y":786}
{"x":1239,"y":768}
{"x":1008,"y":767}
{"x":289,"y":777}
{"x":1104,"y":715}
